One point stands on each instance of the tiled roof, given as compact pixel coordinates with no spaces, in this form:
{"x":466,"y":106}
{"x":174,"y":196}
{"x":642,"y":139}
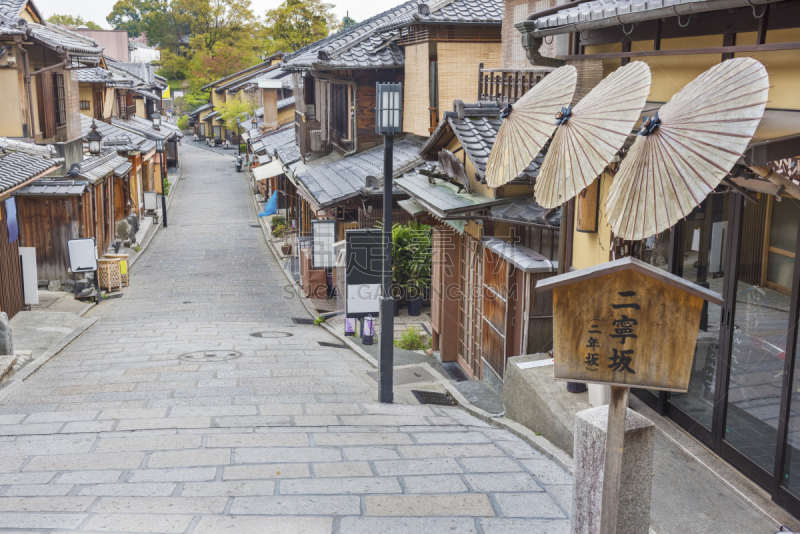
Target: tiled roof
{"x":12,"y":8}
{"x":289,"y":153}
{"x":53,"y":187}
{"x":357,"y":35}
{"x":58,"y":38}
{"x":442,"y":198}
{"x":144,"y":127}
{"x":346,"y":178}
{"x":452,"y":12}
{"x":237,"y":76}
{"x":604,"y":13}
{"x":235,"y":85}
{"x":100,"y":75}
{"x":147,"y":94}
{"x":201,"y":108}
{"x":20,"y":162}
{"x":268,"y":143}
{"x":117,"y":138}
{"x":286,"y":103}
{"x":476,"y":127}
{"x":527,"y":210}
{"x":277,"y":74}
{"x":96,"y":168}
{"x":145,"y":73}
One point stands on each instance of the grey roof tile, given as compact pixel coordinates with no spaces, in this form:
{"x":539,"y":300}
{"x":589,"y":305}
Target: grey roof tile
{"x":269,"y":142}
{"x":346,"y":178}
{"x":117,"y":138}
{"x":477,"y":132}
{"x":53,"y":187}
{"x":96,"y":168}
{"x":100,"y":75}
{"x":442,"y":198}
{"x":56,"y":37}
{"x":453,"y":12}
{"x":21,"y":162}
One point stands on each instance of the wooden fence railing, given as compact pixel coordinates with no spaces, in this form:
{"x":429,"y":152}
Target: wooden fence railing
{"x":507,"y":85}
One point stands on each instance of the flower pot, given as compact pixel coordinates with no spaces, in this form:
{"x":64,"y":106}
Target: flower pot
{"x":415,"y":307}
{"x":286,"y":249}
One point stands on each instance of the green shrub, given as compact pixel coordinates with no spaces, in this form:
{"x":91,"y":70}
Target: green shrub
{"x":410,"y":339}
{"x":183,"y":122}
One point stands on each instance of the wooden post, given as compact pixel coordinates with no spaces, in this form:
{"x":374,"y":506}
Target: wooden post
{"x":612,"y":470}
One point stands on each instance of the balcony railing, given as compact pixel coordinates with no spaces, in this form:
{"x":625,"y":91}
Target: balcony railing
{"x":308,"y":135}
{"x":508,"y":85}
{"x":126,"y":112}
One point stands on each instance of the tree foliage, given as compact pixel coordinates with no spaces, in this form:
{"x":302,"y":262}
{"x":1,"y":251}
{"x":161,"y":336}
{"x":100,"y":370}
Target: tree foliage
{"x":73,"y":22}
{"x":235,"y":110}
{"x":298,"y":23}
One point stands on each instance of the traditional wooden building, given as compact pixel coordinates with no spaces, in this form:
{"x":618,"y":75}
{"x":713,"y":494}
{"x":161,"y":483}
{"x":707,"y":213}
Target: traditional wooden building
{"x":490,"y":248}
{"x":38,"y":79}
{"x":741,"y":241}
{"x":21,"y":164}
{"x":85,"y":203}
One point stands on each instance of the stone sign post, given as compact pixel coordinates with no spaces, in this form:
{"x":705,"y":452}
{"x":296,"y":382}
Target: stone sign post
{"x":626,"y":324}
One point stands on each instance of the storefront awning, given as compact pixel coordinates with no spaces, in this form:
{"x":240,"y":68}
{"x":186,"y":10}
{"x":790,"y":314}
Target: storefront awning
{"x":523,"y":258}
{"x":442,"y":199}
{"x":270,"y":170}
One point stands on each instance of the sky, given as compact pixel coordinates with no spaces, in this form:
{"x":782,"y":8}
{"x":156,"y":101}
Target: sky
{"x":97,"y":10}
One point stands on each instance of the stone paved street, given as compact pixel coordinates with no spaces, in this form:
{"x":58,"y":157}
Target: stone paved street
{"x":169,"y":415}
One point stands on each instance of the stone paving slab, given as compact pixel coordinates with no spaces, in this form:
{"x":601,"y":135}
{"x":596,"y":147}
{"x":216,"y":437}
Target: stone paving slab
{"x":138,"y":426}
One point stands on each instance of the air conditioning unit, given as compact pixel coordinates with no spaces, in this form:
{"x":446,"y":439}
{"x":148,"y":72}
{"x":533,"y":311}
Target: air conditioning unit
{"x":317,"y":143}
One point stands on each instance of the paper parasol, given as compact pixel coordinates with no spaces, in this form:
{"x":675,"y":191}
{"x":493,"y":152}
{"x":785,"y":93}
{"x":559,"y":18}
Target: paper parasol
{"x":590,"y":134}
{"x":528,"y":124}
{"x":687,"y":148}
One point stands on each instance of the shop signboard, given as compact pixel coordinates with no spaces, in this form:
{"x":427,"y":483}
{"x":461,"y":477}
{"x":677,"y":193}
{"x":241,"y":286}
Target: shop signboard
{"x":626,"y":323}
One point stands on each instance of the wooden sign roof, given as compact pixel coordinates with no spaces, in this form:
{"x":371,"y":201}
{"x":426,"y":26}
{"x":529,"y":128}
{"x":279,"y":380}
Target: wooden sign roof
{"x":623,"y":265}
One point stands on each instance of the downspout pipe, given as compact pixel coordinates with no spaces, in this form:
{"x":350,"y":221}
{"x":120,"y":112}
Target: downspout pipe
{"x":528,"y":27}
{"x":28,"y":77}
{"x":354,"y":86}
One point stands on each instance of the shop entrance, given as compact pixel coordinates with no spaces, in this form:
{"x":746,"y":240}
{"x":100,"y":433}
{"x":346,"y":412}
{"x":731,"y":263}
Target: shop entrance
{"x":743,"y":401}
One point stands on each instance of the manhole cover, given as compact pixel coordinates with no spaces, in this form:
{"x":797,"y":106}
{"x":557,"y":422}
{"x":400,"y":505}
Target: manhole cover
{"x":302,"y":320}
{"x":210,"y":355}
{"x":271,"y":334}
{"x":332,"y":345}
{"x":407,"y":375}
{"x":433,"y":397}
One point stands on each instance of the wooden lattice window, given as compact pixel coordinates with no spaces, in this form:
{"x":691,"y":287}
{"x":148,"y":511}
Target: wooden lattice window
{"x":60,"y":99}
{"x":85,"y":105}
{"x":470,"y":305}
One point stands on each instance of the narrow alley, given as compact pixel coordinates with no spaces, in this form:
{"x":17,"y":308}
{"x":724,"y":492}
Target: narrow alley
{"x":195,"y":404}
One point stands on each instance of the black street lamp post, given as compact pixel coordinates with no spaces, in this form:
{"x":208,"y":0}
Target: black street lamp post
{"x":388,"y":121}
{"x":160,"y":151}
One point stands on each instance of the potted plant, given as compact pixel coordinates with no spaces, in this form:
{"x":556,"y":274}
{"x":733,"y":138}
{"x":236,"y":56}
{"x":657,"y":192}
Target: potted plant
{"x":419,"y":267}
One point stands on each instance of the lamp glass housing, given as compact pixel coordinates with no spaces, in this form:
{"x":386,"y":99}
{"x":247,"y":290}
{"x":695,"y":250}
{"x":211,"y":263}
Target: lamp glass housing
{"x":159,"y":146}
{"x":94,"y":139}
{"x":156,"y":119}
{"x":388,"y":108}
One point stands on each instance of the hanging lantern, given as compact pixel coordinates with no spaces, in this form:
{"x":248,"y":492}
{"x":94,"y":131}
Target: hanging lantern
{"x":156,"y":120}
{"x":350,"y":327}
{"x":95,"y":139}
{"x":368,"y":331}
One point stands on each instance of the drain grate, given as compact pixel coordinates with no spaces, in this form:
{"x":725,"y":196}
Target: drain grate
{"x":255,"y":226}
{"x":332,"y":345}
{"x":302,"y":320}
{"x":210,"y":355}
{"x":271,"y":334}
{"x":433,"y":397}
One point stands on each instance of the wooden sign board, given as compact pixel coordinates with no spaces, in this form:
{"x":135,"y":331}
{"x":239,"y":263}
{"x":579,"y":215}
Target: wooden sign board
{"x":625,"y":323}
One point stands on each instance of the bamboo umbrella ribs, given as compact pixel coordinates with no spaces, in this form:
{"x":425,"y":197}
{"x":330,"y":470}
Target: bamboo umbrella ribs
{"x":528,"y":125}
{"x":589,"y":135}
{"x":683,"y":152}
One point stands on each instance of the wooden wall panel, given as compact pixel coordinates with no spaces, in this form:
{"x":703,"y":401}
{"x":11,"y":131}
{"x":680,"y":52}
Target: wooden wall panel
{"x":11,"y":296}
{"x":47,"y":224}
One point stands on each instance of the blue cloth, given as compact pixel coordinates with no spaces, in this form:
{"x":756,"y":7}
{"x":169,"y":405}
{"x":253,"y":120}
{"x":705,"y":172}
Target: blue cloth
{"x":11,"y":219}
{"x":272,"y":206}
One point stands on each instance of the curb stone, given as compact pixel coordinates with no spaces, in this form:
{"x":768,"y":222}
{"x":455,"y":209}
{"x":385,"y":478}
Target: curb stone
{"x":38,"y":363}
